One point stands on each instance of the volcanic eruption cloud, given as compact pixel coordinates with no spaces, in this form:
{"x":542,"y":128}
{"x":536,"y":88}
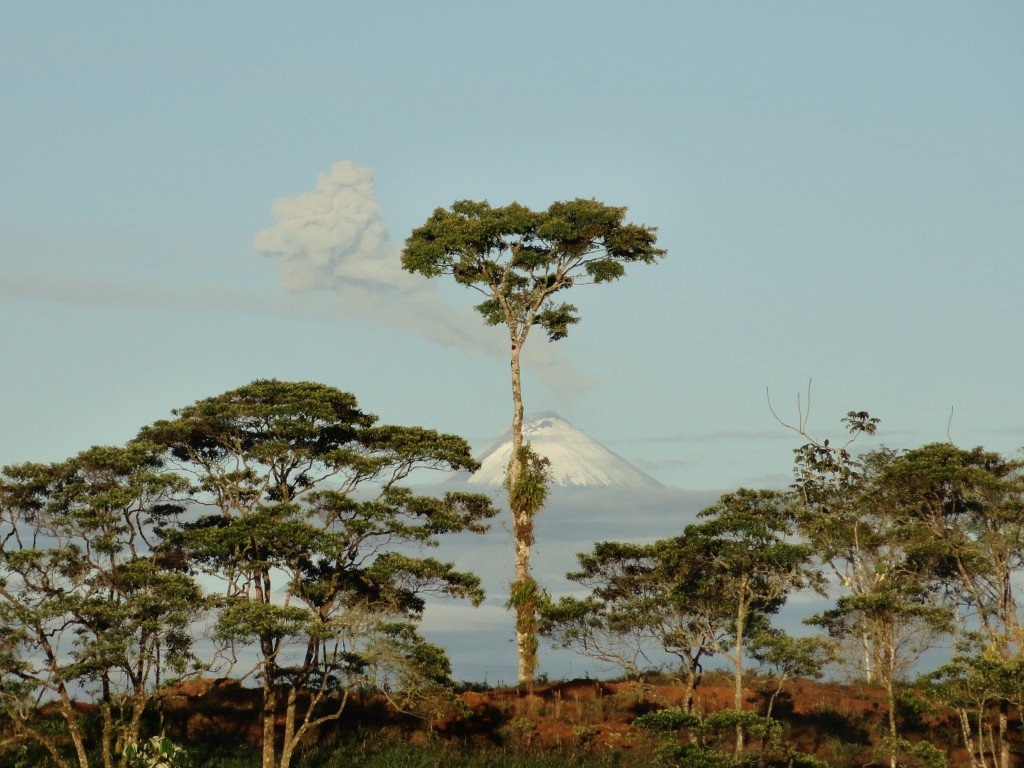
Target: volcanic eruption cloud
{"x":335,"y":238}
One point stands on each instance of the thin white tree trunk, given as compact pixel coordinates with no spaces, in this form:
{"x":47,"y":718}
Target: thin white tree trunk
{"x":741,"y":616}
{"x":522,"y":527}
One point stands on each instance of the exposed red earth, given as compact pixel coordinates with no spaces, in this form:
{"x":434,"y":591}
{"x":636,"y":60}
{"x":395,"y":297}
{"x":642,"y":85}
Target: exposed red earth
{"x":836,"y":722}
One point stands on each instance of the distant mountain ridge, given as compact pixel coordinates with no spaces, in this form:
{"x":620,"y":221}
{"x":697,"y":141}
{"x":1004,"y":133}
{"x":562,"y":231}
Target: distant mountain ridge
{"x":577,"y":460}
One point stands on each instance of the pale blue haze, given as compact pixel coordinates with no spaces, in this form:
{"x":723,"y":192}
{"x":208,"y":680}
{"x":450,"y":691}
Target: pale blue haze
{"x":840,"y":187}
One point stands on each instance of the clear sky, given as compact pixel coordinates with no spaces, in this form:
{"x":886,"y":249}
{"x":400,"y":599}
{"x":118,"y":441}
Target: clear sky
{"x":840,"y":187}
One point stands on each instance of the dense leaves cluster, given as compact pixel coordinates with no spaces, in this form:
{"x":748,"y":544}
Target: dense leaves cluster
{"x":271,"y":524}
{"x":273,"y":515}
{"x":520,"y":258}
{"x":917,"y":548}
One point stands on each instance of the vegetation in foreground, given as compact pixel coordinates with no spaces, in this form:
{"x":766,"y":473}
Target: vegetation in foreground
{"x":265,"y":490}
{"x":576,"y":723}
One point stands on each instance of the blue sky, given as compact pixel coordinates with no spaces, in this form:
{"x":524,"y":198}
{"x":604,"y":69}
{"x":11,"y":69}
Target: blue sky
{"x":840,"y":188}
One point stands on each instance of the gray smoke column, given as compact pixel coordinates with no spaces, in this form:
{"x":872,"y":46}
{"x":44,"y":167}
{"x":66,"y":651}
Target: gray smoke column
{"x":335,"y":238}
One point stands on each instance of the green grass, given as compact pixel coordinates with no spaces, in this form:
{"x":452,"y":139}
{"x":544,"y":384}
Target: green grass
{"x":381,"y":753}
{"x":444,"y":755}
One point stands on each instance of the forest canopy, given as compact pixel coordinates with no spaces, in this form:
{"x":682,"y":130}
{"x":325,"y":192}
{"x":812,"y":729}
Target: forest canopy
{"x":272,"y":523}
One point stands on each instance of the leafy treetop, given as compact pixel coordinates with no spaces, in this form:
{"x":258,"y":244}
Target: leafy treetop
{"x":520,"y":258}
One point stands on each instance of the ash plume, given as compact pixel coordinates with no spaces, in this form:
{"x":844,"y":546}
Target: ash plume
{"x":335,"y":238}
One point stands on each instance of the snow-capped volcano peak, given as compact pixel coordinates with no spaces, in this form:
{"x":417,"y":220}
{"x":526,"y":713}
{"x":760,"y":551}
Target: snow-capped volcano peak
{"x":576,"y":459}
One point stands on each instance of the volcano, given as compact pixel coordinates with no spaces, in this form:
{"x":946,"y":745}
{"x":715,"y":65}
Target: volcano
{"x":577,"y":460}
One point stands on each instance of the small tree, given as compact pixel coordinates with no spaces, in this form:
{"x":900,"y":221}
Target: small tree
{"x":691,"y":596}
{"x":974,"y":683}
{"x":305,"y":530}
{"x":900,"y":624}
{"x":705,"y":739}
{"x":751,"y":563}
{"x":91,"y":599}
{"x":519,"y":259}
{"x":783,"y":657}
{"x":635,"y":610}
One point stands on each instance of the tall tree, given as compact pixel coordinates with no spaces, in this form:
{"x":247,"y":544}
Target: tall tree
{"x":850,"y":511}
{"x":519,"y":259}
{"x":91,"y":599}
{"x":971,"y":504}
{"x":854,"y":533}
{"x":305,"y":530}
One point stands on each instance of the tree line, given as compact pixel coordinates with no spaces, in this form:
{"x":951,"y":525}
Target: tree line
{"x":916,"y":548}
{"x":271,"y":523}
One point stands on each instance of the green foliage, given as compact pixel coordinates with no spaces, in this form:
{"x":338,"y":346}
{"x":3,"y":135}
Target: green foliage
{"x":292,"y":497}
{"x":883,"y":612}
{"x":970,"y":506}
{"x":975,"y":680}
{"x":708,"y":736}
{"x":784,"y":656}
{"x":519,"y":258}
{"x":634,"y":608}
{"x":157,"y":752}
{"x":670,"y":721}
{"x":313,"y":571}
{"x":920,"y":754}
{"x":530,"y":490}
{"x":518,"y":733}
{"x":90,"y":600}
{"x":854,"y":513}
{"x":684,"y":595}
{"x":746,"y":544}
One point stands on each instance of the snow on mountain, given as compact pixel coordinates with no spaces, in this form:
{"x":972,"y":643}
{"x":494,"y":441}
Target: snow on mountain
{"x":576,"y":459}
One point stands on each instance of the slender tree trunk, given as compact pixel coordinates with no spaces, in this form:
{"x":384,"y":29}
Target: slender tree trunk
{"x":515,"y":463}
{"x":869,"y":676}
{"x":965,"y":732}
{"x":268,"y":714}
{"x":524,"y":600}
{"x":107,"y":734}
{"x":524,"y":587}
{"x":66,"y":704}
{"x":690,"y":684}
{"x":991,"y":738}
{"x":891,"y":693}
{"x":889,"y":675}
{"x":774,"y":697}
{"x":71,"y":717}
{"x":741,"y":616}
{"x":1004,"y":727}
{"x":139,"y":701}
{"x":289,"y":740}
{"x":293,"y":730}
